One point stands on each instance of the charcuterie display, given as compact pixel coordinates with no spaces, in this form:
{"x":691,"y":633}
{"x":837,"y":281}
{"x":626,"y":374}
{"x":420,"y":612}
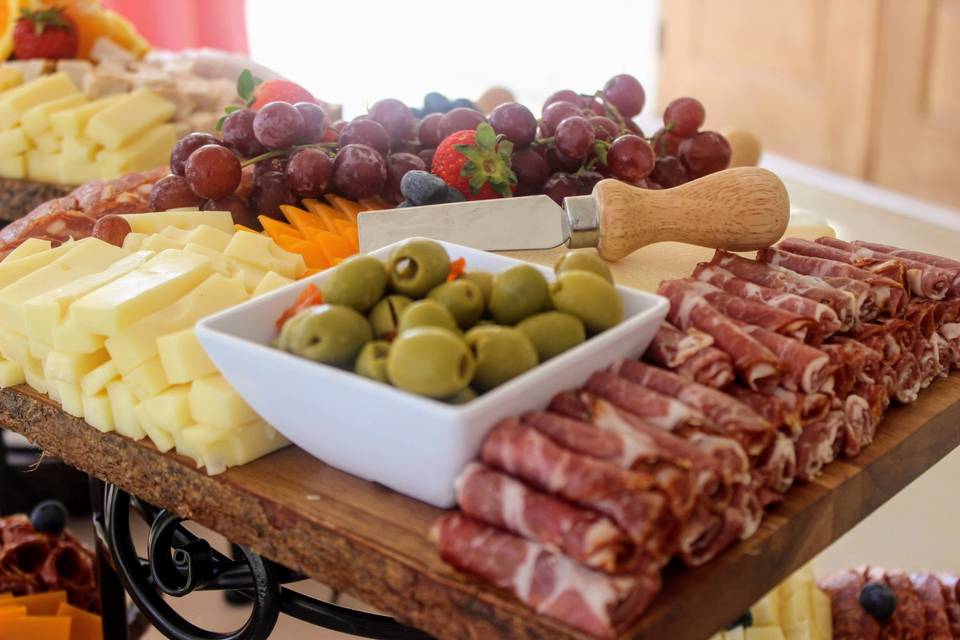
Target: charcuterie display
{"x":766,"y":371}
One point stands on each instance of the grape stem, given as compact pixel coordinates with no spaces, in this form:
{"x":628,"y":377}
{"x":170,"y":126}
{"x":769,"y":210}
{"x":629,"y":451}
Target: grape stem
{"x":612,"y":109}
{"x":326,"y":146}
{"x":655,"y":139}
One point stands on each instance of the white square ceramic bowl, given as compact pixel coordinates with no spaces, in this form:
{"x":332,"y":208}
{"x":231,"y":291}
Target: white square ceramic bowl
{"x":409,"y":443}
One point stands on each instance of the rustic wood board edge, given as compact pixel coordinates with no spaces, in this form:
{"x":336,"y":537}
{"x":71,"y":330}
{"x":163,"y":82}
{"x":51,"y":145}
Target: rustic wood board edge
{"x":20,"y":197}
{"x":408,"y":581}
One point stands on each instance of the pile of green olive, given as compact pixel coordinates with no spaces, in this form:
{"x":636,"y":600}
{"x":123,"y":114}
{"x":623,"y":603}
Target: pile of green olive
{"x":405,"y":324}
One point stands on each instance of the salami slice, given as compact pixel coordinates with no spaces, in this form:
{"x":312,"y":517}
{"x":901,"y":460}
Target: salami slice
{"x":587,"y":537}
{"x":850,"y":621}
{"x":550,"y":583}
{"x":658,"y":409}
{"x":804,"y":368}
{"x":950,"y":587}
{"x":57,"y":227}
{"x":825,"y":317}
{"x":928,"y":589}
{"x":711,"y":367}
{"x":754,"y":363}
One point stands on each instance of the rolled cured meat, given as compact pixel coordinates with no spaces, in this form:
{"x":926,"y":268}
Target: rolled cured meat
{"x":814,"y":446}
{"x":550,"y":583}
{"x":659,"y":409}
{"x":850,"y":621}
{"x":925,"y":279}
{"x":843,"y":303}
{"x":909,"y":618}
{"x":586,"y":536}
{"x":711,"y":367}
{"x":950,"y":332}
{"x":923,"y":315}
{"x":624,"y":496}
{"x":825,"y":317}
{"x":691,"y":354}
{"x":804,"y":368}
{"x":777,"y":465}
{"x":754,"y":363}
{"x":726,"y":415}
{"x":950,"y":586}
{"x":800,"y":409}
{"x":928,"y":589}
{"x":764,"y":404}
{"x":841,"y":251}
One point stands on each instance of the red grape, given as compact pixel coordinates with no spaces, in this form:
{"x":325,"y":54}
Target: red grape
{"x":314,"y":123}
{"x":625,"y":93}
{"x":634,"y":127}
{"x":269,"y":192}
{"x":429,"y":131}
{"x":668,"y":144}
{"x":277,"y":125}
{"x":270,"y":164}
{"x":604,"y":128}
{"x":238,"y":133}
{"x":705,"y":153}
{"x":668,"y":172}
{"x":395,"y":117}
{"x":427,"y":156}
{"x":398,"y":164}
{"x":516,"y":122}
{"x":237,"y":207}
{"x":684,"y":116}
{"x":575,"y":137}
{"x":564,"y":95}
{"x":339,"y":125}
{"x":531,"y":169}
{"x":630,"y":158}
{"x":557,"y":162}
{"x":185,"y":146}
{"x":556,"y":113}
{"x":593,"y":107}
{"x":173,"y":192}
{"x":407,"y":146}
{"x":459,"y":119}
{"x":563,"y":185}
{"x":589,"y":179}
{"x":359,"y":171}
{"x":309,"y":171}
{"x":367,"y":132}
{"x":213,"y":171}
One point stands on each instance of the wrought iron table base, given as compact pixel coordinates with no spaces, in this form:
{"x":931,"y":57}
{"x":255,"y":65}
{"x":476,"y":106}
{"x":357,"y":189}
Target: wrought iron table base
{"x":178,"y":563}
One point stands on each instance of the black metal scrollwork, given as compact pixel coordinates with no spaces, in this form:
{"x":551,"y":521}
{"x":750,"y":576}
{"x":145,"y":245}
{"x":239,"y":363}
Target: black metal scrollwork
{"x":178,"y":563}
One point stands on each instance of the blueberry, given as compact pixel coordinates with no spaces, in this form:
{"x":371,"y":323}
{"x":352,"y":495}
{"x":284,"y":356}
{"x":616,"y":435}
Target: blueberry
{"x":454,"y":195}
{"x":462,"y":102}
{"x":404,"y":204}
{"x":877,"y":600}
{"x":422,"y":187}
{"x":435,"y":102}
{"x":417,"y":112}
{"x":746,"y":620}
{"x":50,"y":516}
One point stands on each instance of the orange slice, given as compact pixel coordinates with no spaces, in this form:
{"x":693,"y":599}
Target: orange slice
{"x":9,"y":12}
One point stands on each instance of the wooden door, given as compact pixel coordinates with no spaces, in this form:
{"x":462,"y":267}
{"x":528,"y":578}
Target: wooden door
{"x":917,"y":123}
{"x":797,"y":72}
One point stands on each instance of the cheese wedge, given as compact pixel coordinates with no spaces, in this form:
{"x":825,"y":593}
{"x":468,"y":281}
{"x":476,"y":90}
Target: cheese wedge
{"x":97,"y":379}
{"x":72,"y":367}
{"x":39,"y":349}
{"x":70,"y":337}
{"x":183,"y":357}
{"x":271,"y":281}
{"x":48,"y":143}
{"x":766,"y":612}
{"x":161,"y":439}
{"x":123,"y":405}
{"x":14,"y":346}
{"x":147,"y":379}
{"x":795,"y":608}
{"x":36,"y":120}
{"x":73,"y":122}
{"x":132,"y":115}
{"x":87,"y":256}
{"x":204,"y":235}
{"x":221,"y":264}
{"x":43,"y":312}
{"x":182,"y":219}
{"x":16,"y":102}
{"x":159,"y":283}
{"x":138,"y":342}
{"x":71,"y":399}
{"x":170,"y":409}
{"x":11,"y":374}
{"x":134,"y":241}
{"x":33,"y":374}
{"x":214,"y":402}
{"x":13,"y":167}
{"x":217,"y":448}
{"x":14,"y":142}
{"x":157,"y":243}
{"x":261,"y":251}
{"x":97,"y":412}
{"x":149,"y":150}
{"x":29,"y":247}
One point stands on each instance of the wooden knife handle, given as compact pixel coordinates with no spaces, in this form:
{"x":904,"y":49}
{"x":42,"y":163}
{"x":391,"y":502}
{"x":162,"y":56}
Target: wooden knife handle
{"x":738,"y":209}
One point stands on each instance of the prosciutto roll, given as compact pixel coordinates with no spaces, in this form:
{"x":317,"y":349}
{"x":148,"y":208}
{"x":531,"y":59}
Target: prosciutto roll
{"x":814,"y":446}
{"x":923,"y":315}
{"x":550,"y":583}
{"x":764,"y":404}
{"x":711,"y":367}
{"x":586,"y":536}
{"x":800,"y":409}
{"x":777,"y":465}
{"x":725,"y":415}
{"x":804,"y":368}
{"x":846,"y":252}
{"x":850,"y":621}
{"x":753,"y":362}
{"x":691,"y":354}
{"x":919,"y":256}
{"x":825,"y":317}
{"x":844,"y":304}
{"x":624,"y":496}
{"x":658,"y":409}
{"x":950,"y":332}
{"x":924,"y":279}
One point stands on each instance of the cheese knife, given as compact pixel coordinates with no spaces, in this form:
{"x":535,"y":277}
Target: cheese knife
{"x":738,"y":209}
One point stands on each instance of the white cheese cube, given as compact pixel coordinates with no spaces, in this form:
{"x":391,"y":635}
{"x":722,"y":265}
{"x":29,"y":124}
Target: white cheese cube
{"x":16,"y":102}
{"x":97,"y":412}
{"x":148,"y":151}
{"x":804,"y":631}
{"x":97,"y":379}
{"x":134,"y":241}
{"x":170,"y":409}
{"x":36,"y":120}
{"x":10,"y":77}
{"x":33,"y":374}
{"x":70,"y":337}
{"x":214,"y":402}
{"x":161,"y":439}
{"x":204,"y":235}
{"x":79,"y":150}
{"x":13,"y":167}
{"x":795,"y":608}
{"x":72,"y":122}
{"x":43,"y":166}
{"x":11,"y":374}
{"x":218,"y":448}
{"x":261,"y":251}
{"x":159,"y":243}
{"x":129,"y":117}
{"x":39,"y":349}
{"x":182,"y":219}
{"x":12,"y":270}
{"x":763,"y":633}
{"x":14,"y":346}
{"x":48,"y":143}
{"x":183,"y":357}
{"x":270,"y":282}
{"x":147,"y":379}
{"x":766,"y":612}
{"x":70,"y":397}
{"x":822,"y":615}
{"x":123,"y":405}
{"x":73,"y":367}
{"x":74,"y":172}
{"x":14,"y":142}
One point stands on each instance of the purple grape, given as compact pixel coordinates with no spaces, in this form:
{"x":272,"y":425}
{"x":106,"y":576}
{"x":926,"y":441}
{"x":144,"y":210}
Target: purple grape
{"x":589,"y":179}
{"x":270,"y":164}
{"x":395,"y":117}
{"x":604,"y":128}
{"x":593,"y":107}
{"x":314,"y":123}
{"x":366,"y":132}
{"x":630,"y":158}
{"x":562,"y":185}
{"x":173,"y":192}
{"x":684,"y":116}
{"x":184,"y":147}
{"x":339,"y":125}
{"x":705,"y":153}
{"x":309,"y":171}
{"x":556,"y":113}
{"x":559,"y":163}
{"x":564,"y":95}
{"x":269,"y":192}
{"x":574,"y":138}
{"x":398,"y":164}
{"x":407,"y":146}
{"x":531,"y":169}
{"x":238,"y":133}
{"x":359,"y":171}
{"x":277,"y":125}
{"x":213,"y":171}
{"x":459,"y":119}
{"x":625,"y":93}
{"x":237,"y":207}
{"x":430,"y":130}
{"x":516,"y":122}
{"x":427,"y":156}
{"x":668,"y":172}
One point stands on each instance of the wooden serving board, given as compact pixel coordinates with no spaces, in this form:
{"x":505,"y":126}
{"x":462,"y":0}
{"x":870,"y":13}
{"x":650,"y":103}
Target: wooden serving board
{"x":20,"y":197}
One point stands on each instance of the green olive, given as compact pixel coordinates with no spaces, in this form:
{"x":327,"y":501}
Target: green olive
{"x":426,"y":313}
{"x":553,"y":332}
{"x":518,"y":292}
{"x":583,"y":261}
{"x":417,"y":266}
{"x":328,"y":333}
{"x":502,"y":353}
{"x":385,"y":316}
{"x":430,"y":361}
{"x":358,"y":283}
{"x":461,"y":397}
{"x":463,"y":299}
{"x":589,"y":297}
{"x":482,"y":279}
{"x":372,"y":361}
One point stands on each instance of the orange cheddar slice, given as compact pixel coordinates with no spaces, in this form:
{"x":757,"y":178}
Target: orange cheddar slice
{"x":275,"y":228}
{"x":240,"y":227}
{"x":45,"y":627}
{"x":332,"y":245}
{"x":375,"y":203}
{"x":12,"y":611}
{"x":313,"y":254}
{"x":348,"y":207}
{"x":39,"y":604}
{"x":83,"y":624}
{"x":302,"y":221}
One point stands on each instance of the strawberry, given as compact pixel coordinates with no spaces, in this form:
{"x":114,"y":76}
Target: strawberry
{"x":280,"y":91}
{"x":47,"y":33}
{"x":476,"y":163}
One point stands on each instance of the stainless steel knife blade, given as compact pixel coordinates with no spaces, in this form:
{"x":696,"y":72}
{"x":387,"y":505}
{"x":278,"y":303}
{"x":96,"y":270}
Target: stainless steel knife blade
{"x":507,"y":224}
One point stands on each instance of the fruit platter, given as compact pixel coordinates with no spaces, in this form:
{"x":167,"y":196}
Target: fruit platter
{"x":550,"y":443}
